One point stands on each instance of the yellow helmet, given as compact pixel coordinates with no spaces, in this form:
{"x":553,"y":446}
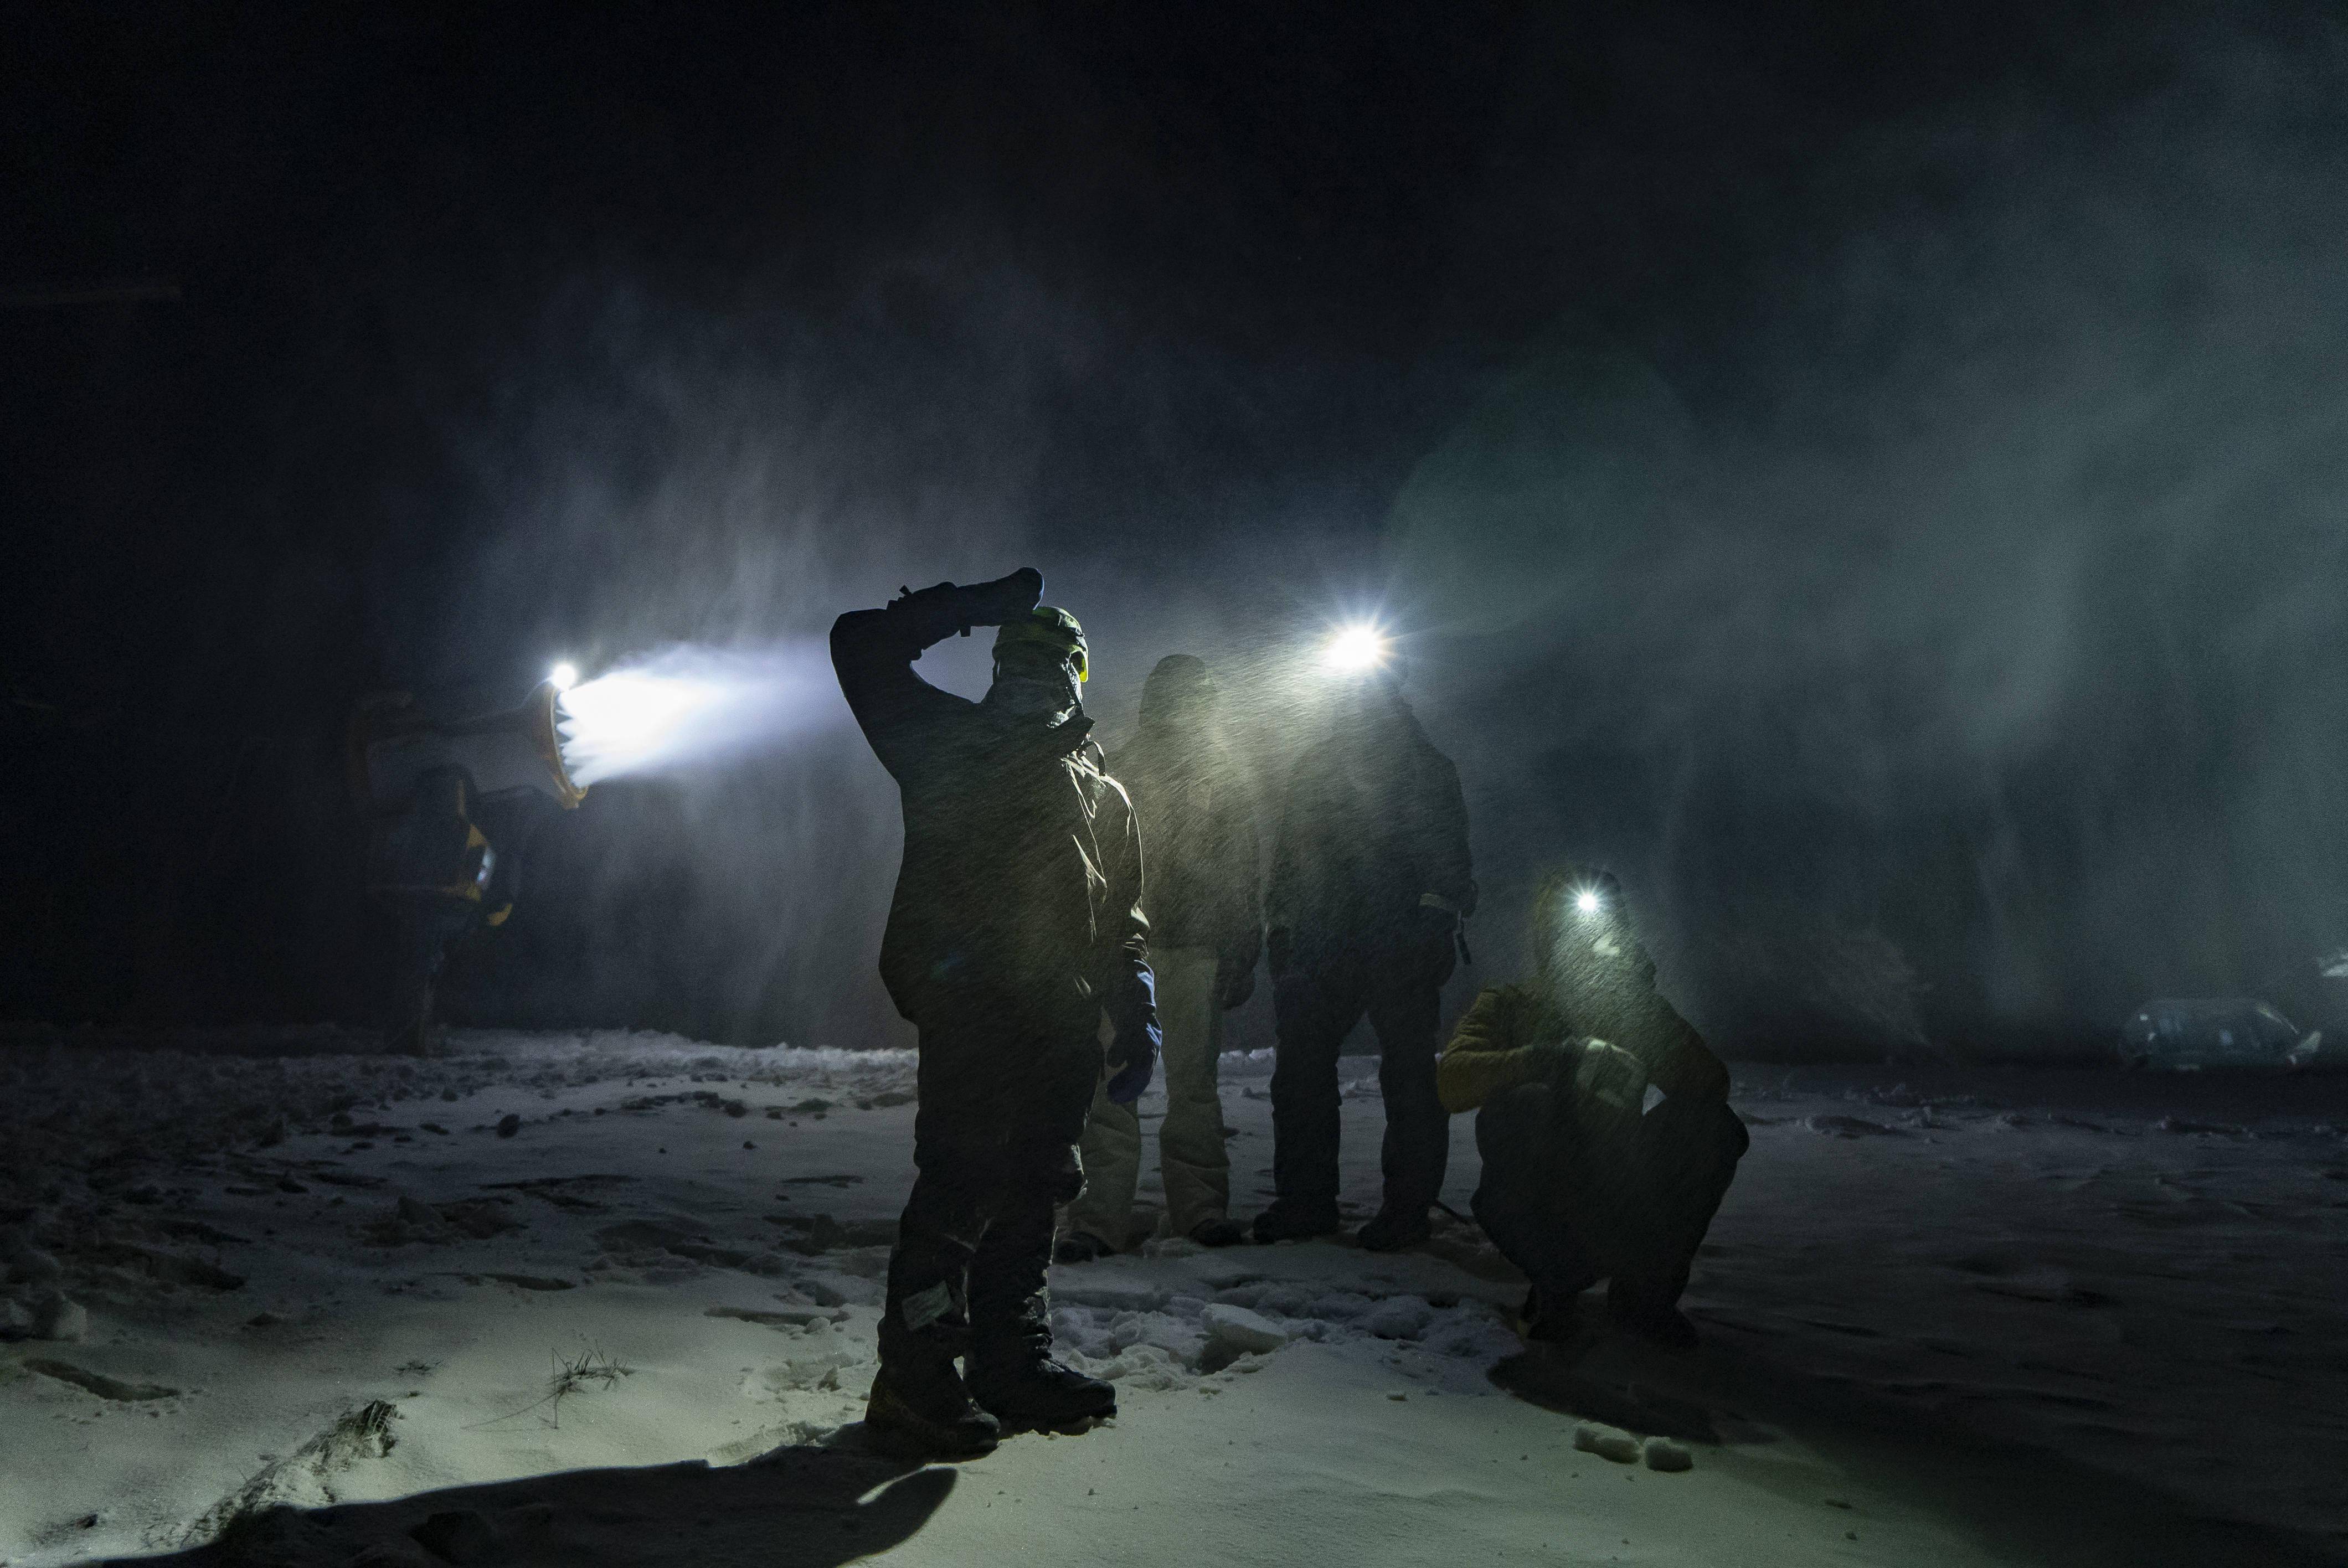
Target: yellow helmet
{"x":1046,"y":626}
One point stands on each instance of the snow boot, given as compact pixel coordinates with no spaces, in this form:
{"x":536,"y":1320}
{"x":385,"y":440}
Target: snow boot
{"x":1554,"y":1316}
{"x":1220,"y":1231}
{"x":1282,"y":1223}
{"x":1027,"y":1390}
{"x":1392,"y":1231}
{"x":1657,"y":1321}
{"x":1081,"y":1246}
{"x":922,"y":1411}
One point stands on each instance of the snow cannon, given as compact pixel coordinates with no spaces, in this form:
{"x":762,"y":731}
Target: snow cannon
{"x":451,"y":808}
{"x":394,"y":746}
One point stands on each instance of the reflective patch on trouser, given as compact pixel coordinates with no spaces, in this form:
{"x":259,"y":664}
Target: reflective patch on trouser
{"x":994,"y":1150}
{"x":924,"y":1308}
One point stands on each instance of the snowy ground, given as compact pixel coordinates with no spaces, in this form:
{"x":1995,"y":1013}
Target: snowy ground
{"x":609,"y":1299}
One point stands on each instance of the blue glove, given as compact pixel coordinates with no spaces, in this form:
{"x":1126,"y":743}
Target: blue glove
{"x":1139,"y":1037}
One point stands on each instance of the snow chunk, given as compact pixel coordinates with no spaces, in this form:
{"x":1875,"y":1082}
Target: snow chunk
{"x":1607,"y":1442}
{"x":1399,"y":1317}
{"x":1664,"y":1454}
{"x":58,"y":1317}
{"x":1241,"y":1332}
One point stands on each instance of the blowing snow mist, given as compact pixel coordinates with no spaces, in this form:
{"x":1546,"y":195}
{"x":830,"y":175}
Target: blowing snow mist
{"x":691,"y":706}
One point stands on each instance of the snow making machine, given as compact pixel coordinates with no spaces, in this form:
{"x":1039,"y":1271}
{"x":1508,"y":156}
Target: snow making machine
{"x":450,"y":807}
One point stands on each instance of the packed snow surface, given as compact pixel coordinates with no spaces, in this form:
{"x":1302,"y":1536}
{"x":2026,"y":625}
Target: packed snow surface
{"x":610,"y":1298}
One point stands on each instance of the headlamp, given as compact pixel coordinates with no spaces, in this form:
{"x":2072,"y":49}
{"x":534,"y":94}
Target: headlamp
{"x":1355,"y":648}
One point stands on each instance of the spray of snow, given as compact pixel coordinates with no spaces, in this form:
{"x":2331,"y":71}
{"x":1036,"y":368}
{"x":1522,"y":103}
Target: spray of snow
{"x":689,"y":706}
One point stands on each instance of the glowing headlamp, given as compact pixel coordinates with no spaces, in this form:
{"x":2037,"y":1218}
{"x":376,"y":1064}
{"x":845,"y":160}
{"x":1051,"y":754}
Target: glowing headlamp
{"x":1354,"y":649}
{"x":563,"y":676}
{"x":1586,"y":901}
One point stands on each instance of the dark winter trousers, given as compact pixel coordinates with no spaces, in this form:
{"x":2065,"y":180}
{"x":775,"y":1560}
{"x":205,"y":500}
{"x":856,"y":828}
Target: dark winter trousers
{"x":424,"y":927}
{"x":1003,"y":1102}
{"x":1315,"y":1009}
{"x":1574,"y":1198}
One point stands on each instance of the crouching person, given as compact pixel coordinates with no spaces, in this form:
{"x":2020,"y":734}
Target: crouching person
{"x":1587,"y":1176}
{"x":1015,"y":925}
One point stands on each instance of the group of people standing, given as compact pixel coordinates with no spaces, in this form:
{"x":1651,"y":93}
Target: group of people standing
{"x":1047,"y":979}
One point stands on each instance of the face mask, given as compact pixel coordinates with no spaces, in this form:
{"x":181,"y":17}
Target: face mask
{"x":1031,"y":694}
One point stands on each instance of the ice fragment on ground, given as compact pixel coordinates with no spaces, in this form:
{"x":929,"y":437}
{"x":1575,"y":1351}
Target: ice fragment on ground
{"x":832,"y":1289}
{"x":1848,"y":1126}
{"x":1241,"y":1332}
{"x":528,"y":1281}
{"x":1664,"y":1454}
{"x":1606,"y":1442}
{"x":1339,"y":1305}
{"x":98,"y":1383}
{"x":57,"y":1316}
{"x":1397,"y":1317}
{"x":2182,"y":1125}
{"x":790,"y":1318}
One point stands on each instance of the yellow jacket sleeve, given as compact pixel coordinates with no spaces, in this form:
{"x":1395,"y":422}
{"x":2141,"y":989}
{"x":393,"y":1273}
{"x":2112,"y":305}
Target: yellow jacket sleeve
{"x":1487,"y":1051}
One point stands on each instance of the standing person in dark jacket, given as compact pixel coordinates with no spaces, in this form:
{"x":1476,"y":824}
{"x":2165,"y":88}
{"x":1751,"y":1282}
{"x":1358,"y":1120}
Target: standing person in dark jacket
{"x":1206,"y":931}
{"x":1016,"y":925}
{"x":1370,"y":881}
{"x":1583,"y":1180}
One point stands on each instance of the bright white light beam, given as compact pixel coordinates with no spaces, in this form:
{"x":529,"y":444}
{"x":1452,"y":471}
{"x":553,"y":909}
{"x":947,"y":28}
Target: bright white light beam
{"x":688,"y":707}
{"x":1586,"y":901}
{"x":1355,"y":649}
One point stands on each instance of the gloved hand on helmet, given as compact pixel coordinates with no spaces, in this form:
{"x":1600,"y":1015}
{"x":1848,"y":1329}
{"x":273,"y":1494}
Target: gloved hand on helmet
{"x":933,"y":614}
{"x":1133,"y":1057}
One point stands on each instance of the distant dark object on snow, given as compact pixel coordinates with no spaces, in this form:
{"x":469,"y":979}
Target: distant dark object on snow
{"x":2187,"y":1035}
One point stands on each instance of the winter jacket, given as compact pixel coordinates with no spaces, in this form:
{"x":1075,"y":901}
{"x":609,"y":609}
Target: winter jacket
{"x":1021,"y":878}
{"x":1372,"y":821}
{"x":1199,"y":839}
{"x":1613,"y":999}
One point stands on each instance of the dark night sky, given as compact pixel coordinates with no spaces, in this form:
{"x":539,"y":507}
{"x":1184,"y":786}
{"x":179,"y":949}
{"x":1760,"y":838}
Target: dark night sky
{"x":1945,"y":391}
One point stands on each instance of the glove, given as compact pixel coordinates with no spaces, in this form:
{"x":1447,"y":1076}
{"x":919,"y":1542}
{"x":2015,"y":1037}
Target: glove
{"x":1139,"y":1037}
{"x":1610,"y":1077}
{"x":934,"y":614}
{"x":1280,"y":948}
{"x":1553,"y":1061}
{"x":1006,"y":597}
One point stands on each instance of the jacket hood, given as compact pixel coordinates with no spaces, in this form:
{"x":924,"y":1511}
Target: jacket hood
{"x":1179,"y":691}
{"x":1582,"y":929}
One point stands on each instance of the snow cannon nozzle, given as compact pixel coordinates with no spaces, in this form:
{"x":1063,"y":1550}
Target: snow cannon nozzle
{"x":395,"y":744}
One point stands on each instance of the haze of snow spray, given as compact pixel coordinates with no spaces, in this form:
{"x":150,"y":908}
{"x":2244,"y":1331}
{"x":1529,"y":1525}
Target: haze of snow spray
{"x":688,"y":706}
